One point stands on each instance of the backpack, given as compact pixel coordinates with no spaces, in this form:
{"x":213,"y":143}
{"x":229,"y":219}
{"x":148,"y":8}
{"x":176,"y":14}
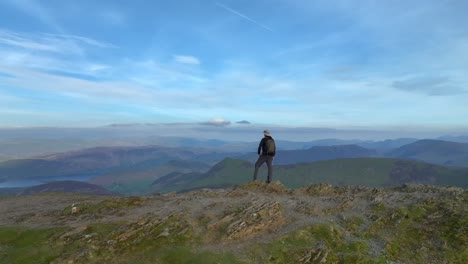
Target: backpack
{"x":270,"y":146}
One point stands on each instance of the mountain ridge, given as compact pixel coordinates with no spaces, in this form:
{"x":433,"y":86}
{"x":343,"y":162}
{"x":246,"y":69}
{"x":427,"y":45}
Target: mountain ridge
{"x":439,"y":152}
{"x":131,"y":170}
{"x":371,"y":172}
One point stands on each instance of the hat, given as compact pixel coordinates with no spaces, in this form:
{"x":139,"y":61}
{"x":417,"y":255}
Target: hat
{"x":266,"y":132}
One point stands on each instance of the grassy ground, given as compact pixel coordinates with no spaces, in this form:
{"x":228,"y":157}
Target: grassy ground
{"x":253,"y":223}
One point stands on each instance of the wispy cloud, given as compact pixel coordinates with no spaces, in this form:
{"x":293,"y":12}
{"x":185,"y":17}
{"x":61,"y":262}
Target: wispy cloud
{"x":186,"y":59}
{"x":73,"y":87}
{"x":19,"y":40}
{"x":243,"y":16}
{"x":49,"y":42}
{"x":85,"y":40}
{"x":98,"y":67}
{"x":55,"y":53}
{"x":46,"y":63}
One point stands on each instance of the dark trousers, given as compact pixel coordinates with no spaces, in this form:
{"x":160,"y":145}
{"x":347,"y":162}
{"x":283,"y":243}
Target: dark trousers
{"x":269,"y":161}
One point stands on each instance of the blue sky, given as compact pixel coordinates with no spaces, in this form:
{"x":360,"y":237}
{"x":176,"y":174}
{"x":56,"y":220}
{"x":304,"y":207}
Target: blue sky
{"x":333,"y":63}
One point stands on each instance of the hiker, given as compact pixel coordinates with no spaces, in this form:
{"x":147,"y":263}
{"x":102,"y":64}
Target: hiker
{"x":268,"y":148}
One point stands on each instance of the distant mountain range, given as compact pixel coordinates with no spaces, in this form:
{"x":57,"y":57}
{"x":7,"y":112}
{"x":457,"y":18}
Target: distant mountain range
{"x":102,"y":160}
{"x":132,"y":170}
{"x":386,"y":144}
{"x":18,"y":148}
{"x":460,"y":139}
{"x":434,"y":151}
{"x":373,"y":172}
{"x":431,"y":151}
{"x":19,"y":144}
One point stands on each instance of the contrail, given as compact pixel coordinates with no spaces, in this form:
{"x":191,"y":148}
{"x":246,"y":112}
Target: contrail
{"x":243,"y":16}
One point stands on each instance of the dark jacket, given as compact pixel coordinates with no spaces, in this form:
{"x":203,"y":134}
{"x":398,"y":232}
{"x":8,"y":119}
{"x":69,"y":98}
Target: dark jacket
{"x":262,"y":146}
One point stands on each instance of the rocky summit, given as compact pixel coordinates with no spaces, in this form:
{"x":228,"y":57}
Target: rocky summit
{"x":249,"y":223}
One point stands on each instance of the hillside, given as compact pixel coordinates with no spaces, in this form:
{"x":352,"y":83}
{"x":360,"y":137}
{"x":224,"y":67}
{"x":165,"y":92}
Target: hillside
{"x":67,"y":187}
{"x":316,"y":153}
{"x":251,"y":223}
{"x":144,"y":173}
{"x":434,"y":151}
{"x":136,"y":180}
{"x":372,"y":172}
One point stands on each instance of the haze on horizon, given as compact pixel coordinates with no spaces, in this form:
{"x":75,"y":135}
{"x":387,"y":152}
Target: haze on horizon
{"x":329,"y":64}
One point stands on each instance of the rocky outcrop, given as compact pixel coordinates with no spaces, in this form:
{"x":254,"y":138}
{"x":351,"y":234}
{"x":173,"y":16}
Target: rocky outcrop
{"x":250,"y":223}
{"x":253,"y":219}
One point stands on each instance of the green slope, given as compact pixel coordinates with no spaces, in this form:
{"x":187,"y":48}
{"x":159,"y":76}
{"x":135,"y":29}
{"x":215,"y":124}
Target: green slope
{"x":137,"y":180}
{"x":356,"y":171}
{"x":372,"y":172}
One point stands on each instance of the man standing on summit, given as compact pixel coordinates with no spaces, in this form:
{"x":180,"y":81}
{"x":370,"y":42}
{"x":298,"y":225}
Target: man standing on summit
{"x":268,"y":149}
